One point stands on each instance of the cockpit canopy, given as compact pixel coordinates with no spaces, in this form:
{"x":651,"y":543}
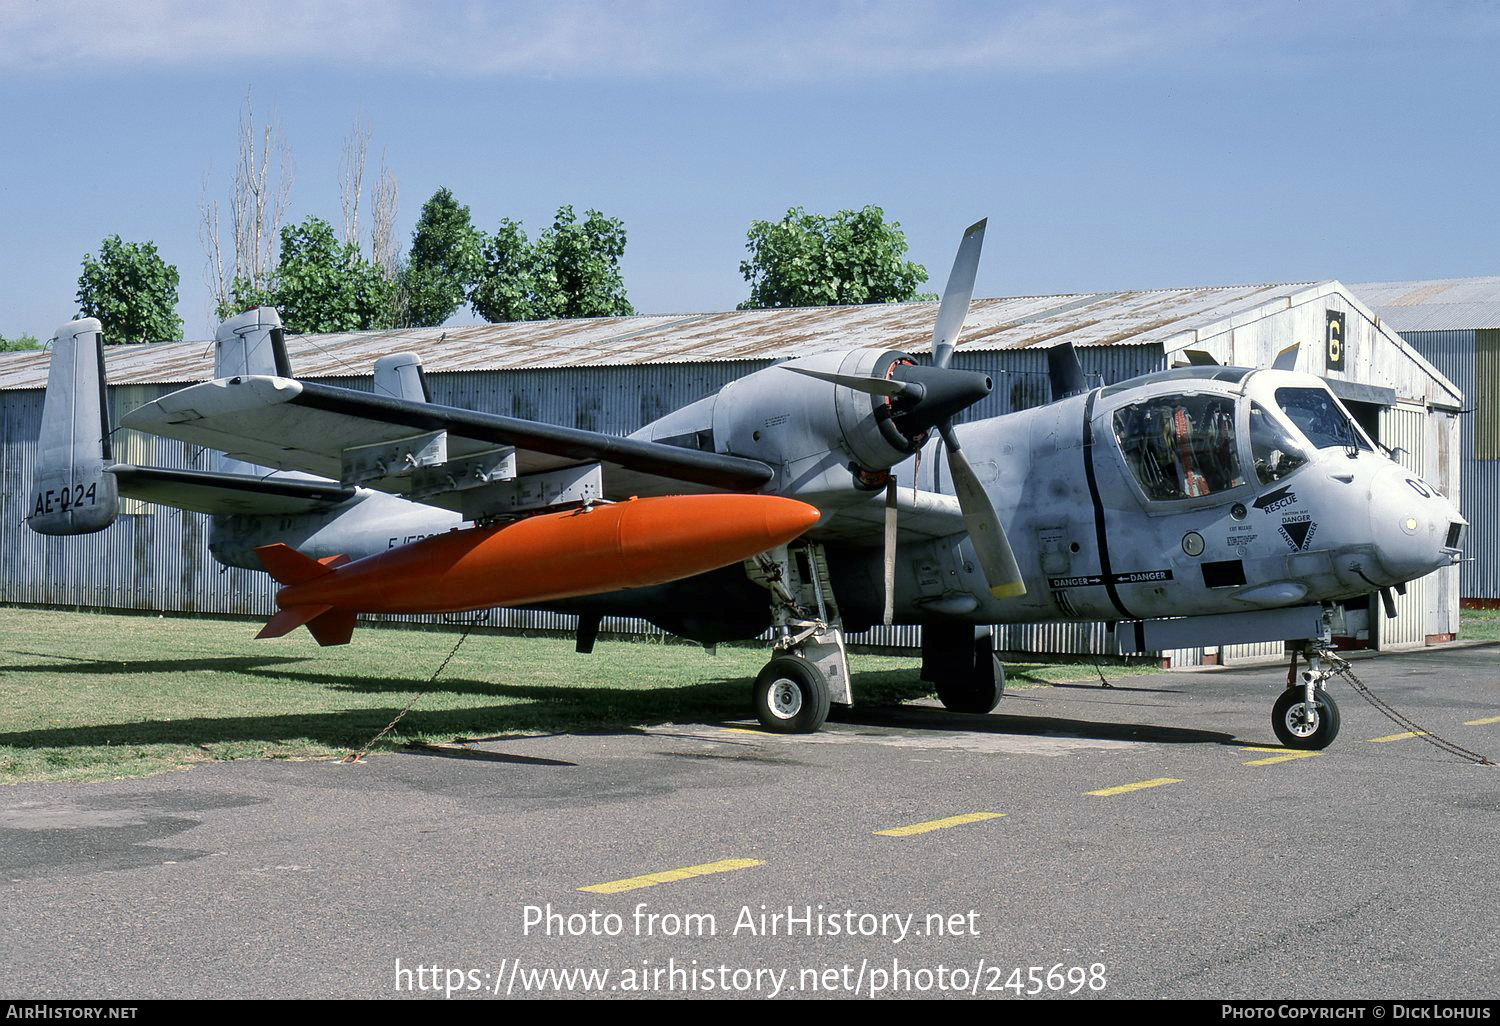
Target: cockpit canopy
{"x":1212,"y":435}
{"x":1180,"y":446}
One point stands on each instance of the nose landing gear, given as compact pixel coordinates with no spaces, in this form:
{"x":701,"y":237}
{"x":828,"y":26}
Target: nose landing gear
{"x":1306,"y":716}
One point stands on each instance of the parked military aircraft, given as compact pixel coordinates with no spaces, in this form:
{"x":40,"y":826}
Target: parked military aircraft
{"x":1192,"y":506}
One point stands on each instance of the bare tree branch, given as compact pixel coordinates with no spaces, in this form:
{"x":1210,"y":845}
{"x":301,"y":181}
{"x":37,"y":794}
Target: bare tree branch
{"x":352,"y":177}
{"x":258,"y":203}
{"x":383,"y":202}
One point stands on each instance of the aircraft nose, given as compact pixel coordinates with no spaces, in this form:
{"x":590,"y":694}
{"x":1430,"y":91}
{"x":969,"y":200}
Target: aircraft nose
{"x":1415,"y":528}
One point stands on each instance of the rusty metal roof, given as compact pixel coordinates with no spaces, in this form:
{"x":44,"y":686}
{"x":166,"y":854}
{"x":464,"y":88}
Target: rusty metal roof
{"x":1437,"y":305}
{"x":1026,"y":322}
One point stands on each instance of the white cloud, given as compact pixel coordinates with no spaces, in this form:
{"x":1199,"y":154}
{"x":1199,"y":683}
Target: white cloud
{"x":732,"y":40}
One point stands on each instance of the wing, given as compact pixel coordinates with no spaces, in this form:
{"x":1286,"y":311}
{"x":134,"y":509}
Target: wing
{"x":920,"y":515}
{"x":434,"y":454}
{"x":207,"y":492}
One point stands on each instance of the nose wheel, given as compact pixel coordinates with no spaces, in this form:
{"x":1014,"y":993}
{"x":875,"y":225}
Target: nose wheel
{"x":1306,"y":716}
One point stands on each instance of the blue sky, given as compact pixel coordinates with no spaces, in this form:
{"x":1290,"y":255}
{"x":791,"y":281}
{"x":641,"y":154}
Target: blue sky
{"x":1123,"y":144}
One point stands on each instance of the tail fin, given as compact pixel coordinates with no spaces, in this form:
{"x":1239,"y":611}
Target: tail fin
{"x":251,"y":343}
{"x":400,"y":375}
{"x":72,"y":491}
{"x":331,"y":626}
{"x":288,"y":566}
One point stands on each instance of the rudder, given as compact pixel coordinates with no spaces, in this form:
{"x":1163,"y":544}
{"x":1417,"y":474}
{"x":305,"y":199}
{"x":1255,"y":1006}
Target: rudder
{"x":72,"y":491}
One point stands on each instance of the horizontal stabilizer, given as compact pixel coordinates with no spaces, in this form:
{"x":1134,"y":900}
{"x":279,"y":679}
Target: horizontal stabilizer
{"x":288,"y":566}
{"x":204,"y":491}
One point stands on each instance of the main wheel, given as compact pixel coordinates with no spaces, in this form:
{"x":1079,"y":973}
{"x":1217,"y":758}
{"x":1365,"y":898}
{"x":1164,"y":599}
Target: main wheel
{"x":1298,"y":726}
{"x":969,"y":696}
{"x":791,"y":696}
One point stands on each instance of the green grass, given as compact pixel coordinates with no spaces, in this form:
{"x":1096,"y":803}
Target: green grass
{"x":1479,"y":625}
{"x":88,"y":695}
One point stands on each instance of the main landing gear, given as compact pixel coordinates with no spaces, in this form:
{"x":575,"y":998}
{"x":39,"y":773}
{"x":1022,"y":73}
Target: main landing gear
{"x":961,"y":661}
{"x":810,"y":670}
{"x":1306,"y":716}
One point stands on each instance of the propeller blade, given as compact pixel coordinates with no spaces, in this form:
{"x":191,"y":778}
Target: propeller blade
{"x":1286,"y":359}
{"x":860,"y":383}
{"x":890,"y":552}
{"x":985,"y":530}
{"x":955,"y":305}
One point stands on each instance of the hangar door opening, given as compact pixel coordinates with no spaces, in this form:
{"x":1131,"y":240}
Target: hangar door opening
{"x":1403,"y":429}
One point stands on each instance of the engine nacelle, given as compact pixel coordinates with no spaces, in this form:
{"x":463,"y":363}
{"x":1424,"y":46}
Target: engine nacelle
{"x":783,"y":417}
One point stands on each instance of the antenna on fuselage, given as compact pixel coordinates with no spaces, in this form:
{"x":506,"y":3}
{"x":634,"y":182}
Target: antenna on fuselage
{"x":1065,"y":371}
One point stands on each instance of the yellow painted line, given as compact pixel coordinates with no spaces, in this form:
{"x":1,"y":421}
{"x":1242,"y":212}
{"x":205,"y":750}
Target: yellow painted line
{"x":672,"y":876}
{"x":1284,"y":757}
{"x":1396,"y":737}
{"x":1480,"y":723}
{"x":1262,"y":748}
{"x":742,"y":730}
{"x":1127,"y":788}
{"x":938,"y":824}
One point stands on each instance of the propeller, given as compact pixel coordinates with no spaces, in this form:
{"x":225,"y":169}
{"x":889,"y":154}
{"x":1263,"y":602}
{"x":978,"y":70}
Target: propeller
{"x":996,"y":558}
{"x":922,"y":398}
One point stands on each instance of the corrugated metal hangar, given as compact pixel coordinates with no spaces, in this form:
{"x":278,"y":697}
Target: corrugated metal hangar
{"x":1455,"y":324}
{"x":617,"y":374}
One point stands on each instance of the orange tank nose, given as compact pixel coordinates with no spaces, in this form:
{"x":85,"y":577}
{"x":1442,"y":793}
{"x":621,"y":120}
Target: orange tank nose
{"x":632,"y":544}
{"x":704,"y":530}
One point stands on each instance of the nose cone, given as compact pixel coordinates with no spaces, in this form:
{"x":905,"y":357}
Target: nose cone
{"x":945,"y":392}
{"x":1415,"y":528}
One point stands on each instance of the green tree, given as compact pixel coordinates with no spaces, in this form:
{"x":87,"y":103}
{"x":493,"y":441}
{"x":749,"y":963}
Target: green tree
{"x":18,"y":345}
{"x":321,"y":284}
{"x":444,"y":262}
{"x":572,"y":270}
{"x":132,"y":291}
{"x":853,"y":257}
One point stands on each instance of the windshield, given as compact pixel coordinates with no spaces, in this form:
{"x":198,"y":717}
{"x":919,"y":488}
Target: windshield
{"x":1275,"y":451}
{"x":1180,"y":446}
{"x":1320,"y":419}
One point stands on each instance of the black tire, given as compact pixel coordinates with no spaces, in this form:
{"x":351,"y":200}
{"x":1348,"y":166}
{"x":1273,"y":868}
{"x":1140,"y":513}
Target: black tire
{"x":1292,"y":726}
{"x":969,"y":696}
{"x":791,"y":696}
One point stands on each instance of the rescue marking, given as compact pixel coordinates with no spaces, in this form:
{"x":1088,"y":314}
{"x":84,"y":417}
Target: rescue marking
{"x":1140,"y":786}
{"x":1272,"y":501}
{"x":1480,"y":723}
{"x":1284,"y":757}
{"x":672,"y":876}
{"x":1396,"y":737}
{"x":939,"y":824}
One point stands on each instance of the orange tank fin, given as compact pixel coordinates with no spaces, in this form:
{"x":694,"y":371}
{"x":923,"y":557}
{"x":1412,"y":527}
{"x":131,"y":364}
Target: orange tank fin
{"x":288,"y":620}
{"x":288,"y":566}
{"x":331,"y":626}
{"x":335,"y":627}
